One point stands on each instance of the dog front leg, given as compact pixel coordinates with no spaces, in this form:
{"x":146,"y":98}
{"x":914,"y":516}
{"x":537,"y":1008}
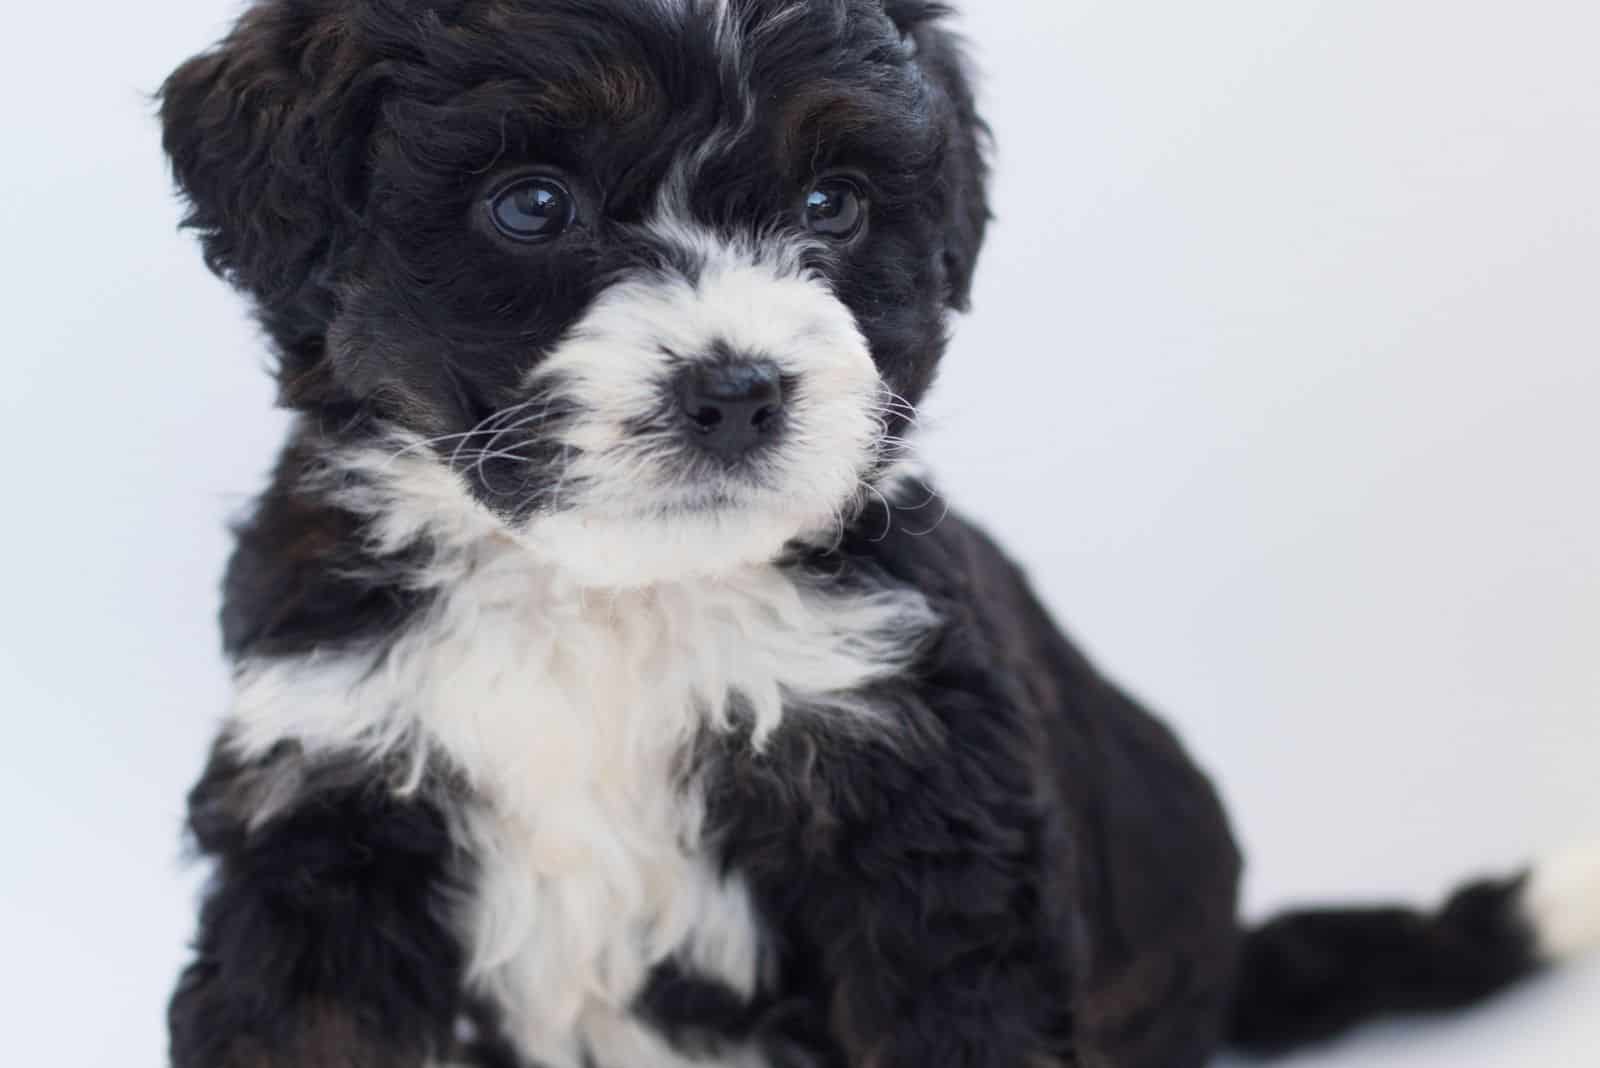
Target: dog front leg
{"x":321,"y":943}
{"x":927,"y":884}
{"x":945,"y":969}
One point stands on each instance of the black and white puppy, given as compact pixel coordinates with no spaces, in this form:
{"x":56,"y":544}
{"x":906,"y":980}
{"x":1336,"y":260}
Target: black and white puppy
{"x":609,"y":690}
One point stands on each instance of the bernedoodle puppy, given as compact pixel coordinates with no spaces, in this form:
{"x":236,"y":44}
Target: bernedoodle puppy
{"x":611,"y":690}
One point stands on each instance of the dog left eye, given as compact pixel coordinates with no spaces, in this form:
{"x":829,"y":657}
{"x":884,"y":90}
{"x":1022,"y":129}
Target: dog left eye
{"x":532,"y":209}
{"x":836,"y":209}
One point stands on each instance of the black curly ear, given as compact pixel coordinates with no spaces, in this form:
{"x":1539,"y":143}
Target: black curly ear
{"x":942,"y":56}
{"x":263,"y":133}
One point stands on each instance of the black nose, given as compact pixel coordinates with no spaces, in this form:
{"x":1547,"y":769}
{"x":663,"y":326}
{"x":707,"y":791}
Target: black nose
{"x":731,"y":407}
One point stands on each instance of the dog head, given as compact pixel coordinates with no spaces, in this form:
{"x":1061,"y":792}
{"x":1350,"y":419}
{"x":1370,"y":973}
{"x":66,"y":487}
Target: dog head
{"x":659,"y":281}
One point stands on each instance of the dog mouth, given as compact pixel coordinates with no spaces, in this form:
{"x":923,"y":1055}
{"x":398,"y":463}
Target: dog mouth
{"x":749,"y":490}
{"x":707,"y":502}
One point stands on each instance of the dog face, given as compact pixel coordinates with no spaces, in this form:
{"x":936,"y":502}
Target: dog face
{"x":660,"y":280}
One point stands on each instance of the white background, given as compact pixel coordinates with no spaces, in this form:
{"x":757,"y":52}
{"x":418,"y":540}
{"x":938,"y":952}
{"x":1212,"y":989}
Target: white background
{"x":1283,"y":380}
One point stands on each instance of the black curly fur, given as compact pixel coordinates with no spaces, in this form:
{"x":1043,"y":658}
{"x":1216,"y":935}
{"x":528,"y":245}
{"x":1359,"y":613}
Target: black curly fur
{"x":323,"y":938}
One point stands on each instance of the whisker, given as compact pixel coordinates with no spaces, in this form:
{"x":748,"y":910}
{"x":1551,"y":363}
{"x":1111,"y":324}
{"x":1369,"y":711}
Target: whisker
{"x":491,"y":421}
{"x":888,"y":509}
{"x":944,"y":514}
{"x":427,"y":442}
{"x":487,"y":426}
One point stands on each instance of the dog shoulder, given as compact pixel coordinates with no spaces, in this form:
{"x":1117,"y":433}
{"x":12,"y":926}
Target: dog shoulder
{"x":304,"y":574}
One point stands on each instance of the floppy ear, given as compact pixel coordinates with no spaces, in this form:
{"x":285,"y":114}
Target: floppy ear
{"x":264,"y":135}
{"x":943,"y":59}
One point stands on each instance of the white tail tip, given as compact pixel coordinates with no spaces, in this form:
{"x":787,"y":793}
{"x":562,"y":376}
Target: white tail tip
{"x":1562,"y":902}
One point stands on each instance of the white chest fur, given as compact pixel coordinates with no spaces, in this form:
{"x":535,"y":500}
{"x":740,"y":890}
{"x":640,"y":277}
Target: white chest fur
{"x":569,"y":712}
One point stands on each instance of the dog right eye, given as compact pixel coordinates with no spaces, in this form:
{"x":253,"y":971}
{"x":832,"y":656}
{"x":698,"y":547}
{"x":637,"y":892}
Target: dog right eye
{"x":532,"y":209}
{"x":836,"y":209}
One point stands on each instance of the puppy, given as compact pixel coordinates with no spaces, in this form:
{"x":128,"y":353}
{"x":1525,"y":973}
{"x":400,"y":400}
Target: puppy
{"x":611,"y":691}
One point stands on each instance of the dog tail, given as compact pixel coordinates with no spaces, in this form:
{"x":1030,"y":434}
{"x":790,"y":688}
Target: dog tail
{"x":1307,"y":976}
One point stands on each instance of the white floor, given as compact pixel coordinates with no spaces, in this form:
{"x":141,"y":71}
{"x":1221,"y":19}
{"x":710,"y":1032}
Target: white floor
{"x":1282,"y":379}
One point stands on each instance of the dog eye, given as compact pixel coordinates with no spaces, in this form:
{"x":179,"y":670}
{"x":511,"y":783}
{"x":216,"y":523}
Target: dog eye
{"x":532,"y":209}
{"x":836,"y":209}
